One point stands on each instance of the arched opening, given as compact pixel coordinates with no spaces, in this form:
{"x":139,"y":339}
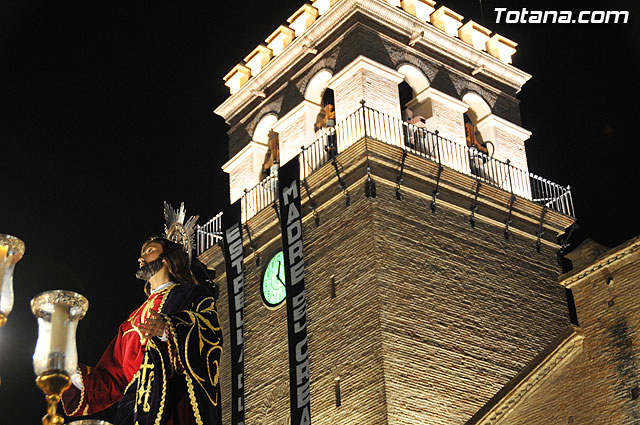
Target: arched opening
{"x":414,"y":77}
{"x":406,"y":95}
{"x":264,"y":134}
{"x":327,"y":115}
{"x":481,"y":149}
{"x":478,"y":110}
{"x":412,"y":109}
{"x":414,"y":112}
{"x":272,"y":156}
{"x":317,"y":86}
{"x":326,"y":119}
{"x":327,"y":98}
{"x":264,"y":126}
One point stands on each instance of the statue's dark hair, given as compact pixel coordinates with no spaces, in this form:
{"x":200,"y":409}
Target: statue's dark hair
{"x":177,"y":260}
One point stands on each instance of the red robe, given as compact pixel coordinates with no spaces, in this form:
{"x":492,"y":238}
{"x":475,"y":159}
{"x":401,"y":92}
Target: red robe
{"x":107,"y":382}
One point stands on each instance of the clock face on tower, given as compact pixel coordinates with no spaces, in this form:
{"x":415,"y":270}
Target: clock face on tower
{"x":273,"y":287}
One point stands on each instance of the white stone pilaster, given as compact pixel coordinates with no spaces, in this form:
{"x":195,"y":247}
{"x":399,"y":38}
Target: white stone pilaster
{"x":443,"y":113}
{"x":365,"y":79}
{"x":245,"y":169}
{"x":508,"y":140}
{"x":295,"y":129}
{"x":507,"y":137}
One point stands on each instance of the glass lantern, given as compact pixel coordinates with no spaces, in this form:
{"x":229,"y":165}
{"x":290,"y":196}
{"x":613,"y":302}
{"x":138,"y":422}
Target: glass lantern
{"x":56,"y":358}
{"x":11,"y":251}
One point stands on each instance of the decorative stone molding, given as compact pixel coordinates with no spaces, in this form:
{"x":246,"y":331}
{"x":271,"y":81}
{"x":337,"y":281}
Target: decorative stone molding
{"x":328,"y":63}
{"x":289,"y":45}
{"x":323,"y":5}
{"x":401,"y":56}
{"x":474,"y":34}
{"x":447,"y":20}
{"x":280,"y":39}
{"x":258,"y":58}
{"x":574,"y":278}
{"x":244,"y":169}
{"x":237,"y":77}
{"x":464,"y":86}
{"x":302,"y":19}
{"x":501,"y":47}
{"x":421,"y":9}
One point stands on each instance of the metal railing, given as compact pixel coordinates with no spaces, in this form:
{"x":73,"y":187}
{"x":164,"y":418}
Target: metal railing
{"x":209,"y":234}
{"x":260,"y":196}
{"x":367,"y":122}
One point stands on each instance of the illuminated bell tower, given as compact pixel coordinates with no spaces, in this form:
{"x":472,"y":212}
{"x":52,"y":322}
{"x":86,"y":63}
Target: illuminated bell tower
{"x":429,"y":249}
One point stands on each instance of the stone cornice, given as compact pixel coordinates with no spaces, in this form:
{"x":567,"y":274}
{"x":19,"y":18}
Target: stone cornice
{"x":289,"y":117}
{"x":504,"y":125}
{"x":364,"y":63}
{"x":615,"y":255}
{"x":244,"y":153}
{"x":388,"y":15}
{"x":434,"y":94}
{"x":298,"y":48}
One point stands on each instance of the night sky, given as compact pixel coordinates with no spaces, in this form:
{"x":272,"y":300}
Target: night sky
{"x":106,"y":110}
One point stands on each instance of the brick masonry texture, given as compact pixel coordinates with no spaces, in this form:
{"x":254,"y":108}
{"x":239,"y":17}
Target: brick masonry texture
{"x":463,"y":310}
{"x":595,"y":387}
{"x":380,"y":93}
{"x":431,"y":317}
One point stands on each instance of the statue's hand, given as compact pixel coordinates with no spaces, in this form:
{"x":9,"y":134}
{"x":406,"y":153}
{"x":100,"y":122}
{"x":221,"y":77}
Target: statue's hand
{"x":153,"y":326}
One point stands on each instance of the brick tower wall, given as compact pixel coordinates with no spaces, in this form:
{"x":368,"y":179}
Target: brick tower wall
{"x":463,"y":309}
{"x":344,"y":331}
{"x":596,"y":386}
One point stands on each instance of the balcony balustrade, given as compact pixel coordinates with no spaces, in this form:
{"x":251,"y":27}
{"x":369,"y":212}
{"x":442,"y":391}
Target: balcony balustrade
{"x":367,"y":122}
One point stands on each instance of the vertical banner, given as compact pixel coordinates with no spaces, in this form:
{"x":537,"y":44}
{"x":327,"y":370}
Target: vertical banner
{"x":291,"y":223}
{"x":234,"y":257}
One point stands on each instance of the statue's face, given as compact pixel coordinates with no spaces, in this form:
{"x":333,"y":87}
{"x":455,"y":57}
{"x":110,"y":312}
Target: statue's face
{"x":150,"y":252}
{"x":150,"y":261}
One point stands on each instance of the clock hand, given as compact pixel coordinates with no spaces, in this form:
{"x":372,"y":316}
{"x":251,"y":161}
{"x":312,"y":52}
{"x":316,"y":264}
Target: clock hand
{"x":278,"y":274}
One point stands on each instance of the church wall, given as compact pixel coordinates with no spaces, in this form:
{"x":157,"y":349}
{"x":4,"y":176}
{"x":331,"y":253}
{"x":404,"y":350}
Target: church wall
{"x":464,"y":309}
{"x":345,"y":340}
{"x":292,"y":138}
{"x":447,"y":121}
{"x":344,"y":337}
{"x":510,"y":147}
{"x":431,"y":316}
{"x":266,"y":361}
{"x":596,"y":387}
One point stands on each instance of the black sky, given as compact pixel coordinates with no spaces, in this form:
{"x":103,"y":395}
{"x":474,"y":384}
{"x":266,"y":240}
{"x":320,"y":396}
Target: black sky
{"x":106,"y":111}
